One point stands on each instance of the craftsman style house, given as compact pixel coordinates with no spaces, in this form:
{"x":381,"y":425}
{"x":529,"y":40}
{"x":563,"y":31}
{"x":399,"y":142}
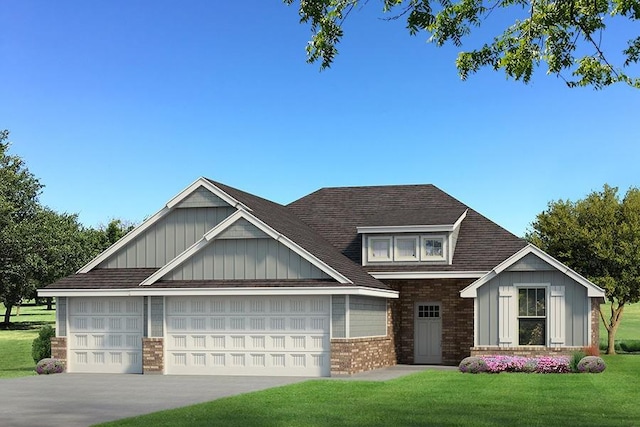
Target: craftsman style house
{"x":343,"y":280}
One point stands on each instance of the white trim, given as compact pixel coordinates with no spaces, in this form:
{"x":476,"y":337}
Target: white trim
{"x":476,"y":321}
{"x":427,"y":274}
{"x":471,"y":291}
{"x":290,"y":290}
{"x":347,"y":317}
{"x":171,"y":204}
{"x":381,"y":229}
{"x":225,"y":224}
{"x":390,"y":249}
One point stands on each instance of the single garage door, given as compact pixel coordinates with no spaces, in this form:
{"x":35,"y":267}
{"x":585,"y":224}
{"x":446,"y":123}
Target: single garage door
{"x":105,"y":334}
{"x":262,"y":335}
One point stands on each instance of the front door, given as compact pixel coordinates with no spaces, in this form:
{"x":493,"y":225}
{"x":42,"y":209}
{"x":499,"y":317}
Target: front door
{"x":428,"y":333}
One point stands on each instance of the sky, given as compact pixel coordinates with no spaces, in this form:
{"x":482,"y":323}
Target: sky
{"x":116,"y":106}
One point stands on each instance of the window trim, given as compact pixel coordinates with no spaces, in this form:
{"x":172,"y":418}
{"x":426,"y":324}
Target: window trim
{"x":416,"y":249}
{"x":370,"y":241}
{"x":546,"y":317}
{"x":424,"y":256}
{"x":394,"y":257}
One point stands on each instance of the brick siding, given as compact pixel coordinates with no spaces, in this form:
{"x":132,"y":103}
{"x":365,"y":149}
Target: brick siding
{"x":59,"y":348}
{"x":152,"y":355}
{"x":456,"y":313}
{"x":352,"y":355}
{"x":595,"y":320}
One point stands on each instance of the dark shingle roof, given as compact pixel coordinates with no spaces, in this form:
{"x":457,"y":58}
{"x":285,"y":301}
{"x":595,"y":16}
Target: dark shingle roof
{"x":305,"y":283}
{"x":105,"y":278}
{"x":336,"y":212}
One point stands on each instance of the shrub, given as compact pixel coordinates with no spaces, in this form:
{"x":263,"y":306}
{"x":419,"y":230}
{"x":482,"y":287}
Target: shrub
{"x":41,"y":347}
{"x":592,"y":350}
{"x":592,"y":364}
{"x":50,"y":366}
{"x":576,"y":357}
{"x":472,"y":365}
{"x":630,"y":346}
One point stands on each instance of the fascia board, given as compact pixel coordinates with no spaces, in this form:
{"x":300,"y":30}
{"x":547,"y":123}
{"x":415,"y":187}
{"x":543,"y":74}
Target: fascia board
{"x":459,"y":220}
{"x":335,"y":290}
{"x":124,"y":240}
{"x":427,"y":274}
{"x":404,"y":229}
{"x":203,"y":182}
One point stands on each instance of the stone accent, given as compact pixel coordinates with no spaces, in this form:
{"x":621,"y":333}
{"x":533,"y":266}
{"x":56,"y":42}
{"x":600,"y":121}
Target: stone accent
{"x":595,"y":320}
{"x":352,"y":355}
{"x":152,"y":355}
{"x":456,"y":313}
{"x":529,"y":351}
{"x":59,"y":348}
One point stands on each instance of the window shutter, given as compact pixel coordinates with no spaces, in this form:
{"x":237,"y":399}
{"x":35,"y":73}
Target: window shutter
{"x":556,"y":316}
{"x":506,"y":315}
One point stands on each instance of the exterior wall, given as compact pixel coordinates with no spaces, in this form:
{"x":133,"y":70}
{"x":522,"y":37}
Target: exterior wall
{"x":338,"y":316}
{"x":367,"y":316}
{"x":576,"y":315}
{"x":456,"y":312}
{"x":61,"y":316}
{"x":530,"y":262}
{"x":202,"y":198}
{"x":156,"y":317}
{"x":595,"y":320}
{"x":250,"y":259}
{"x":152,"y":355}
{"x":352,"y":355}
{"x":59,"y":348}
{"x":167,"y":238}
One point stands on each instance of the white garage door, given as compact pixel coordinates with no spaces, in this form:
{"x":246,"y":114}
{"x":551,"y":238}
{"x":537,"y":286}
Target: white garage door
{"x":279,"y":336}
{"x":105,"y":334}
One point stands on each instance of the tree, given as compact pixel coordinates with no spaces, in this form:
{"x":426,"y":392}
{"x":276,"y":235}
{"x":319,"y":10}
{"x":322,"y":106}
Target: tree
{"x":599,"y":237}
{"x":568,"y":35}
{"x":19,"y":191}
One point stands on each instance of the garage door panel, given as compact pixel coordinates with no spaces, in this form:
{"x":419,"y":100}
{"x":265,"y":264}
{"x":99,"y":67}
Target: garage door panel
{"x":105,"y":335}
{"x":248,"y":336}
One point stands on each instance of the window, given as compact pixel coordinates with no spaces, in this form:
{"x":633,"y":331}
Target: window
{"x":406,"y":249}
{"x":380,"y":249}
{"x":432,"y":311}
{"x":532,"y":320}
{"x":432,"y":248}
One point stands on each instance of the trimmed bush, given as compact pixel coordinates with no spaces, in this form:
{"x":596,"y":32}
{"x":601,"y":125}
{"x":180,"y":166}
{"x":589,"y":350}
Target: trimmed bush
{"x":592,"y":364}
{"x":473,"y":365}
{"x":630,"y":346}
{"x":50,"y":366}
{"x":41,"y":347}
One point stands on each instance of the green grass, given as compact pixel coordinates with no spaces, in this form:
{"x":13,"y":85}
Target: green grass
{"x":15,"y":342}
{"x":629,"y":327}
{"x":438,"y":398}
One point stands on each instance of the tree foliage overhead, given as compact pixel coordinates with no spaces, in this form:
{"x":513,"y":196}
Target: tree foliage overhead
{"x":567,"y":35}
{"x":598,"y":236}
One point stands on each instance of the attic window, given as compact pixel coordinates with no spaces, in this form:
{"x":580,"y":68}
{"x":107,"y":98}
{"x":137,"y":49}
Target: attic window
{"x":380,"y":249}
{"x":406,"y":249}
{"x":432,"y":248}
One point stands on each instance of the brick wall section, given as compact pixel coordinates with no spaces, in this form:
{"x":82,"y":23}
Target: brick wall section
{"x":152,"y":355}
{"x":523,"y":351}
{"x":352,"y":355}
{"x":595,"y":320}
{"x":457,"y":316}
{"x":59,"y":348}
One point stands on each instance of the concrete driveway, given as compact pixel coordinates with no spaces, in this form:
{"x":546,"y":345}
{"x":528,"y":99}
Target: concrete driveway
{"x":86,"y":399}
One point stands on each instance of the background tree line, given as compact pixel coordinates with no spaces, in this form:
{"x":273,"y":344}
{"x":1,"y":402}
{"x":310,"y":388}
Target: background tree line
{"x":38,"y":245}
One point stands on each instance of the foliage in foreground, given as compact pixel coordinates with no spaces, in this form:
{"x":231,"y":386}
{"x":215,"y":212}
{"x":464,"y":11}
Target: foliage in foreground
{"x":497,"y":364}
{"x":41,"y":347}
{"x":566,"y":35}
{"x":48,"y":366}
{"x":429,"y":398}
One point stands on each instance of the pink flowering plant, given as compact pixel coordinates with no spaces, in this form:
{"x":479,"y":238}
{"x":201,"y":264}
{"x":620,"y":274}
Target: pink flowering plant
{"x":50,"y":365}
{"x":497,"y":364}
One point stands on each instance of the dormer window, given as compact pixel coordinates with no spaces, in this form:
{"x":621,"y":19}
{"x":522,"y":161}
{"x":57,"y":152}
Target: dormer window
{"x":406,"y":248}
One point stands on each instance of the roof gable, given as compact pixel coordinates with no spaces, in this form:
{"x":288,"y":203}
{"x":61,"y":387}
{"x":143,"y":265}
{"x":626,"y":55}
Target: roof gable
{"x":471,"y":290}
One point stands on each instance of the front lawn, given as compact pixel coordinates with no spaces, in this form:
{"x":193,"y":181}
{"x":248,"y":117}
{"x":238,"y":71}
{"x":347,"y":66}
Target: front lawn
{"x":15,"y":342}
{"x":439,"y":398}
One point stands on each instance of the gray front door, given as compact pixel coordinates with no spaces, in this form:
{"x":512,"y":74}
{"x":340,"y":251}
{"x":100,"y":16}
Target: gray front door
{"x":428,"y":333}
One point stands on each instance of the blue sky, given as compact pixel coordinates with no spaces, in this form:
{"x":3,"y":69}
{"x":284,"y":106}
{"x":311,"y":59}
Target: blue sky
{"x":118,"y":105}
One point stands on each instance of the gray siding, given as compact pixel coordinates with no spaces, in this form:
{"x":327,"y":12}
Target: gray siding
{"x":157,"y":316}
{"x":202,"y":198}
{"x":245,"y":259}
{"x":167,"y":238}
{"x":242,"y":229}
{"x":61,"y":316}
{"x":145,"y":316}
{"x":576,"y":302}
{"x":530,"y":262}
{"x":367,"y":316}
{"x":338,"y":316}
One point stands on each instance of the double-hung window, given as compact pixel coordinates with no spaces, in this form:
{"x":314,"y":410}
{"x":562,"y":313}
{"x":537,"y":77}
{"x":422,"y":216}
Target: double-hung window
{"x":532,"y":316}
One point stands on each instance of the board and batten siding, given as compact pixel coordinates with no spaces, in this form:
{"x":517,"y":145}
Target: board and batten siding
{"x":167,"y":238}
{"x":576,"y":310}
{"x":245,"y":259}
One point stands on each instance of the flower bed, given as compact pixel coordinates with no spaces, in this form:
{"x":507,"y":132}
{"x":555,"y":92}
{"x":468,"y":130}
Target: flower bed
{"x":497,"y":364}
{"x":50,"y":366}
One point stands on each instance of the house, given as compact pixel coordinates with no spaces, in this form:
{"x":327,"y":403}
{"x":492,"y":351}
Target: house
{"x":343,"y":280}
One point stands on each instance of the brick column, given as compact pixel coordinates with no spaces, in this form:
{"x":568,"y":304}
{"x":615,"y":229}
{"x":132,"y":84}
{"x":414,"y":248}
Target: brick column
{"x":59,"y":348}
{"x":595,"y":321}
{"x":152,"y":355}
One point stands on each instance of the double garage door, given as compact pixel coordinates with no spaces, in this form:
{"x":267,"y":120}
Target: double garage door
{"x":261,"y":335}
{"x":286,"y":336}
